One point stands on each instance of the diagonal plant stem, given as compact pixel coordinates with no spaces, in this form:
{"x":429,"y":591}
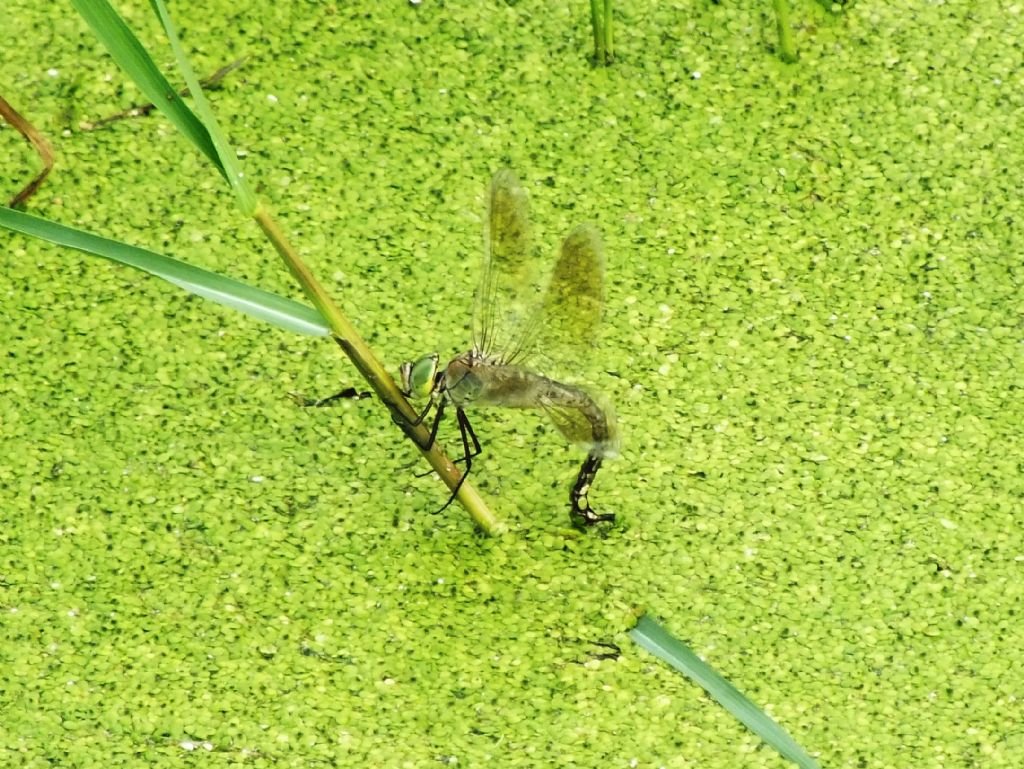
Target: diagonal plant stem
{"x":382,"y":383}
{"x":202,"y":130}
{"x":38,"y":142}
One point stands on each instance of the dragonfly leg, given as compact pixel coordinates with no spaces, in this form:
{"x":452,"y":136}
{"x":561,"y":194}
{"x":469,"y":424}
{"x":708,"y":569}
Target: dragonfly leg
{"x":580,"y":511}
{"x":423,"y":415}
{"x":465,"y":429}
{"x":408,"y":424}
{"x":468,"y":434}
{"x":437,"y":422}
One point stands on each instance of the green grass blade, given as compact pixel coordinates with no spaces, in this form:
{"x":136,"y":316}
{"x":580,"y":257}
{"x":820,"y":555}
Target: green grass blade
{"x":228,"y":159}
{"x":595,"y":24}
{"x":129,"y":54}
{"x":277,"y":310}
{"x":659,"y":642}
{"x":787,"y":48}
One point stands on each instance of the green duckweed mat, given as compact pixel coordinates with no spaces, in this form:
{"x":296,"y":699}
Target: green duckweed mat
{"x":813,"y":339}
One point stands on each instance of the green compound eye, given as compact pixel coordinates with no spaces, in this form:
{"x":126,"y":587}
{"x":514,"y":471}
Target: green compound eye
{"x":418,"y":378}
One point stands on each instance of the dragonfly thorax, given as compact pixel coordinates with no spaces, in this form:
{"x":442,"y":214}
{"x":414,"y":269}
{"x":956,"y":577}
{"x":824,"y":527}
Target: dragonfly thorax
{"x":464,"y":378}
{"x":458,"y":381}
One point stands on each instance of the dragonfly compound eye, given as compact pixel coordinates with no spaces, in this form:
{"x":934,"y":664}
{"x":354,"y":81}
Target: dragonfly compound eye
{"x":418,"y":378}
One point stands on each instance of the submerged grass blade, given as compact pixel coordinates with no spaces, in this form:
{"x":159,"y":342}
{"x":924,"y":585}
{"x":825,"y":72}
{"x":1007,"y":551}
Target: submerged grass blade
{"x":263,"y":305}
{"x":659,"y":642}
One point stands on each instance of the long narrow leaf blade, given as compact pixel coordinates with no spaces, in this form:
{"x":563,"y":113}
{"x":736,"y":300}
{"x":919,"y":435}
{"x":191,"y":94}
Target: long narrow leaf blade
{"x":132,"y":57}
{"x":228,"y":161}
{"x":659,"y":642}
{"x":277,"y":310}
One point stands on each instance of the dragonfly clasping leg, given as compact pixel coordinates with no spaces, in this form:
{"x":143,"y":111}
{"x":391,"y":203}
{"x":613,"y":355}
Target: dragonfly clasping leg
{"x":468,"y":434}
{"x":407,"y":424}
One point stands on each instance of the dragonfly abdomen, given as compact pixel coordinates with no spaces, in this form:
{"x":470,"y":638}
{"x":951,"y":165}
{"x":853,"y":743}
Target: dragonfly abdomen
{"x":595,"y":425}
{"x":573,"y":410}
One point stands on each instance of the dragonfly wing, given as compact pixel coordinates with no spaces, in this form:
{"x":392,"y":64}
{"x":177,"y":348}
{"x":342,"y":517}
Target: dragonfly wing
{"x":510,"y":278}
{"x":574,"y":299}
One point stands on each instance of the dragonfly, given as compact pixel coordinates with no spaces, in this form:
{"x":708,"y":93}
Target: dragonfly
{"x":516,"y":320}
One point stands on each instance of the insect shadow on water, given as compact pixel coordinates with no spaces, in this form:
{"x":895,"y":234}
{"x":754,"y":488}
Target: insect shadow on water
{"x":514,"y":320}
{"x":349,"y":393}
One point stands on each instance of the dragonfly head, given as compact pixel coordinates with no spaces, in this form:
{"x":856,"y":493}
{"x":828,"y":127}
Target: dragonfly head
{"x":419,"y":378}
